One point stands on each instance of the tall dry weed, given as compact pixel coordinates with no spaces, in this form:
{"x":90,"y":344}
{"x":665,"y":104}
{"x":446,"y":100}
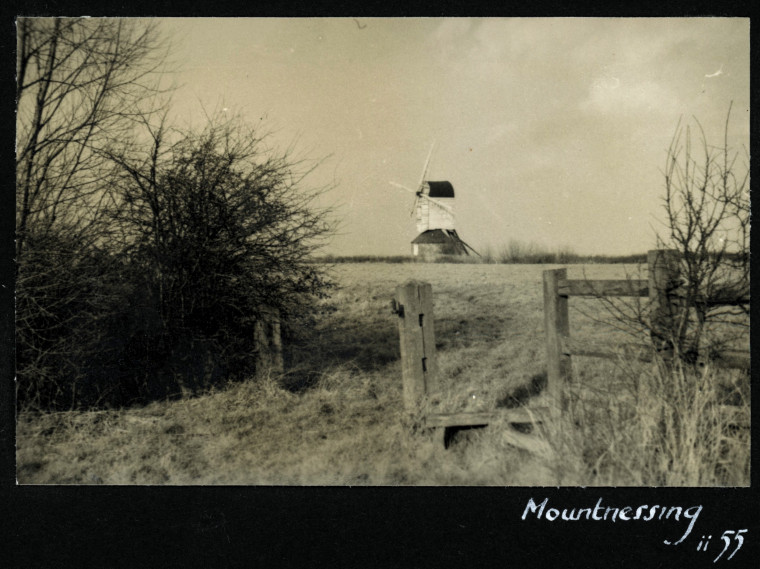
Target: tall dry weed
{"x":651,"y":425}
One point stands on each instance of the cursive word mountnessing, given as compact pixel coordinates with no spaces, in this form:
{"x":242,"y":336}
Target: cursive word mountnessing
{"x":644,"y":513}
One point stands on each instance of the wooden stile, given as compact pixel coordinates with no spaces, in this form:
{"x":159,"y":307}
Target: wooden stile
{"x":413,"y":304}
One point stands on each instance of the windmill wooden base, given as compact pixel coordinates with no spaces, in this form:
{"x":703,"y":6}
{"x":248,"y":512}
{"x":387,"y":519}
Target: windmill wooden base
{"x":435,"y":243}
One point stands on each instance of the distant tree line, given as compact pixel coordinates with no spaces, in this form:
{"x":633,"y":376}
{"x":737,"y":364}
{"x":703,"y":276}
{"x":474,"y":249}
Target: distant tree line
{"x":503,"y":257}
{"x":507,"y":255}
{"x":145,"y":254}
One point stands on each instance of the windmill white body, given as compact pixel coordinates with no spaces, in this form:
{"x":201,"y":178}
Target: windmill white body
{"x":434,"y":209}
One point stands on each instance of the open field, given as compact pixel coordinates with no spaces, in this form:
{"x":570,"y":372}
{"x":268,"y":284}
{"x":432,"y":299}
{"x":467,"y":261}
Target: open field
{"x":336,"y":416}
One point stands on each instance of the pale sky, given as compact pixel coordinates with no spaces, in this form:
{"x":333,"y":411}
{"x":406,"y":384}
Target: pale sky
{"x":552,"y":131}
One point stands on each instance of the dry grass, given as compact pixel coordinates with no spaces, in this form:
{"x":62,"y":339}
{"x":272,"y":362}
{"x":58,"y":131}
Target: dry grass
{"x":336,"y":416}
{"x":633,"y":424}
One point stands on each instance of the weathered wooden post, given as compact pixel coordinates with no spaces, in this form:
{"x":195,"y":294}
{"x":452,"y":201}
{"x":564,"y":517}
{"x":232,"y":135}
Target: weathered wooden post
{"x":413,"y":303}
{"x":267,"y":339}
{"x":557,"y":325}
{"x":278,"y":364}
{"x":665,"y":306}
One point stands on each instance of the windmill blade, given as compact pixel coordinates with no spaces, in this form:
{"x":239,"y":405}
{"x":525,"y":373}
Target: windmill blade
{"x":416,"y":198}
{"x":425,"y":169}
{"x":403,"y":187}
{"x":439,"y":204}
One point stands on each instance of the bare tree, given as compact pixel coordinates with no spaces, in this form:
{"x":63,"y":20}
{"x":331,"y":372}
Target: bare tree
{"x":707,"y":209}
{"x":707,"y":221}
{"x":81,"y":85}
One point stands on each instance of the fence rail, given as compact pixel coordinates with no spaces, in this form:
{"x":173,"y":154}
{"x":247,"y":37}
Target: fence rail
{"x":727,"y":359}
{"x":640,"y":288}
{"x":598,"y":288}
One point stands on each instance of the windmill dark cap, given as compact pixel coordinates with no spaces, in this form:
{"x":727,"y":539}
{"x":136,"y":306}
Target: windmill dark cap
{"x":441,"y":190}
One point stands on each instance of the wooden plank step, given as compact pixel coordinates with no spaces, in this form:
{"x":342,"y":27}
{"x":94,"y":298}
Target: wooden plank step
{"x":472,"y":418}
{"x":453,"y":422}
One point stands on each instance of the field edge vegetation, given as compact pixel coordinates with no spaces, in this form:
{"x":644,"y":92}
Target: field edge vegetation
{"x":514,"y":252}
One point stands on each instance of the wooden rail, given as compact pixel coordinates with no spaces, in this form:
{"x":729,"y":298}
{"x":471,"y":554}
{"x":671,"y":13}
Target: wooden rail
{"x":728,"y":359}
{"x":640,"y":287}
{"x":598,"y":288}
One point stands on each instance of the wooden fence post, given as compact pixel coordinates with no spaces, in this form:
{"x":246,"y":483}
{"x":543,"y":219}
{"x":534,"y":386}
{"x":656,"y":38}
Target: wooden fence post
{"x":557,"y":325}
{"x":664,"y":279}
{"x":278,"y":364}
{"x":413,"y":302}
{"x":267,"y":339}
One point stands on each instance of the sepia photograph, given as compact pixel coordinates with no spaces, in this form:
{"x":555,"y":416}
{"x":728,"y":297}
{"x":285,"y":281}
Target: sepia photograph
{"x":364,"y":251}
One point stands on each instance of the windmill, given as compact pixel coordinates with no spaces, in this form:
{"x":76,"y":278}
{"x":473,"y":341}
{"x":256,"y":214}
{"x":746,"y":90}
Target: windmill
{"x":434,"y":209}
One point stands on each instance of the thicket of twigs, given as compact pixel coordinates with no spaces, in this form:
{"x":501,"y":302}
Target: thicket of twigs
{"x":144,"y":254}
